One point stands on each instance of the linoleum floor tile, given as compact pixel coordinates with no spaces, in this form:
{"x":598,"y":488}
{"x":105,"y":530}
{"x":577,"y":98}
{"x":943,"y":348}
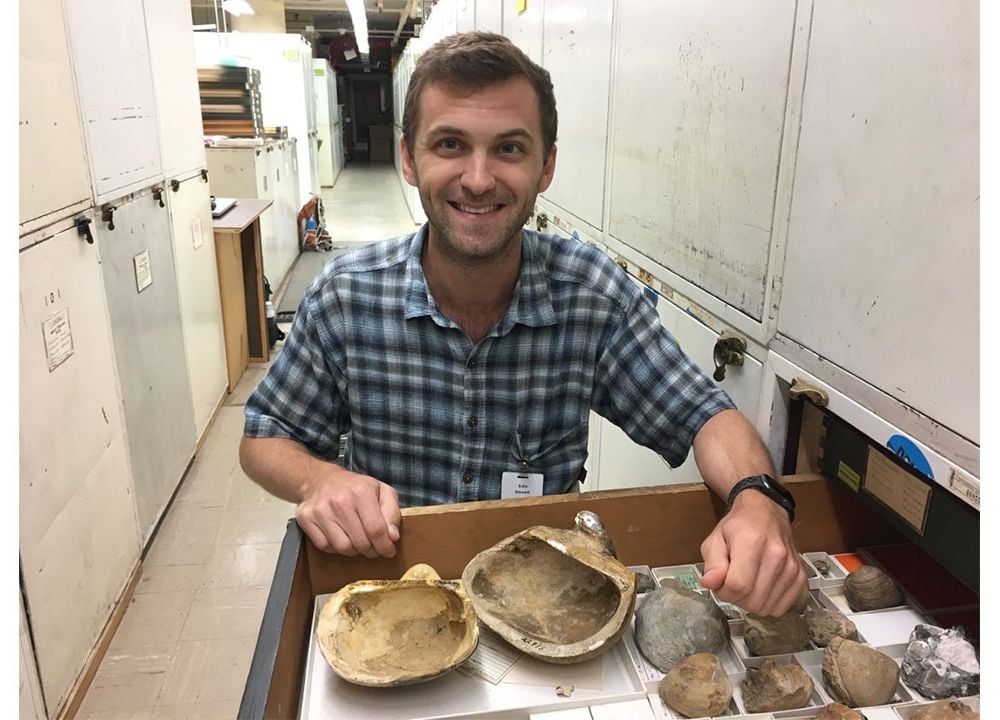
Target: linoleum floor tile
{"x":252,"y":527}
{"x":225,"y":710}
{"x":242,"y":565}
{"x":229,"y":612}
{"x":152,"y":619}
{"x":168,"y":578}
{"x":208,"y":671}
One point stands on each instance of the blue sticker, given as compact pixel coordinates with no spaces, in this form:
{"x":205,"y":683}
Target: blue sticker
{"x":907,"y":451}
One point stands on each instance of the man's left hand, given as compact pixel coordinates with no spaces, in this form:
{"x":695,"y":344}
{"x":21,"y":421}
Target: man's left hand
{"x":750,"y":558}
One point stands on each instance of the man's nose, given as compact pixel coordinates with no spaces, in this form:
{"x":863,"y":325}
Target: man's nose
{"x":477,"y":176}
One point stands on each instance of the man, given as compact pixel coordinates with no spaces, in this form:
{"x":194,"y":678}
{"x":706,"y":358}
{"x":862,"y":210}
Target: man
{"x":471,"y":352}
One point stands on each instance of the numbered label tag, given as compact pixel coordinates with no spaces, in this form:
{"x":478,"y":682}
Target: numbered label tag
{"x":515,"y":485}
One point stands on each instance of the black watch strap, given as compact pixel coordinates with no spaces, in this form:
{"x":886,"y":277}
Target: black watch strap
{"x":770,"y":487}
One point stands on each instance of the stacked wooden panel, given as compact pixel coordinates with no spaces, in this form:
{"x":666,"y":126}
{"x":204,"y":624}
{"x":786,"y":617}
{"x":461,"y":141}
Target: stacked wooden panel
{"x":230,"y":101}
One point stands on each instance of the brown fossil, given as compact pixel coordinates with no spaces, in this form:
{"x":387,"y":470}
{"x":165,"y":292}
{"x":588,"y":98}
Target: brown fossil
{"x":384,"y":633}
{"x":825,"y":624}
{"x":868,"y":588}
{"x":776,"y":686}
{"x":558,"y":595}
{"x":775,"y":635}
{"x":857,"y":675}
{"x":697,"y":686}
{"x":836,"y":711}
{"x":946,"y":710}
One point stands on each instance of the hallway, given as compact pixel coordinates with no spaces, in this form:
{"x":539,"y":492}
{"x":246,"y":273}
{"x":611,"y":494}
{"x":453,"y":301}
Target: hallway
{"x":185,"y":643}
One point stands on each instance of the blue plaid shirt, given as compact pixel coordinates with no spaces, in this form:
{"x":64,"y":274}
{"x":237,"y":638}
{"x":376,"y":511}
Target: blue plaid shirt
{"x":440,"y":418}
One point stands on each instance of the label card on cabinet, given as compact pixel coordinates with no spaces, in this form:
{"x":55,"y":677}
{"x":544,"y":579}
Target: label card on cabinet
{"x":908,"y":496}
{"x":143,"y":273}
{"x":58,"y":338}
{"x":197,"y":238}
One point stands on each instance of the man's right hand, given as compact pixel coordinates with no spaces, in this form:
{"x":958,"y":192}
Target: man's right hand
{"x":350,"y":514}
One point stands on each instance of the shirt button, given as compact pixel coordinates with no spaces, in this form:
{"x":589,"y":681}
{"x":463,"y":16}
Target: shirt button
{"x":473,"y":362}
{"x":473,"y":421}
{"x":467,"y":478}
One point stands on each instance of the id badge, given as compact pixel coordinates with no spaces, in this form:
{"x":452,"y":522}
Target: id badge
{"x":515,"y":485}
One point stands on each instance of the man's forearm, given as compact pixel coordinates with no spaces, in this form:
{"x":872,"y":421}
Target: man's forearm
{"x":282,"y":466}
{"x":728,"y":449}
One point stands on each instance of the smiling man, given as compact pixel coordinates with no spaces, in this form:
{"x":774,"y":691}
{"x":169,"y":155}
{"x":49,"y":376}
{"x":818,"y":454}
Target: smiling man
{"x":462,"y":361}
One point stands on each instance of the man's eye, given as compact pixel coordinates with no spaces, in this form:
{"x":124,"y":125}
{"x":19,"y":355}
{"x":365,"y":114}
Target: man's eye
{"x":448,"y":144}
{"x":510,"y":148}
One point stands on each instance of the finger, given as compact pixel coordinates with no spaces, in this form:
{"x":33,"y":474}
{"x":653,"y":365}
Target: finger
{"x":715,"y":553}
{"x":357,"y":533}
{"x":375,"y":527}
{"x":778,"y":588}
{"x":388,"y":500}
{"x":744,"y":562}
{"x":792,"y":591}
{"x":770,"y":570}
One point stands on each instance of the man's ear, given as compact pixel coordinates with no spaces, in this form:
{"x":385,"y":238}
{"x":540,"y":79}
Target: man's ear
{"x":548,"y":170}
{"x":409,"y":166}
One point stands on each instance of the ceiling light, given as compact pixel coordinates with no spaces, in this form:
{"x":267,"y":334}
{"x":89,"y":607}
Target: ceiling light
{"x":237,"y":7}
{"x":360,"y":21}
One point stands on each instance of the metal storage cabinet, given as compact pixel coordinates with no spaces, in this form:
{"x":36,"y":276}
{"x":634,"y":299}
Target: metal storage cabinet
{"x":882,"y":265}
{"x":326,"y":121}
{"x":53,"y":168}
{"x":149,"y":349}
{"x":198,"y":294}
{"x":79,"y":537}
{"x":117,"y":104}
{"x":175,"y":85}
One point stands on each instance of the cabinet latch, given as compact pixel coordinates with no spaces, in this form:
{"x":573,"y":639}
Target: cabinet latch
{"x":158,"y":195}
{"x":175,"y":184}
{"x":108,"y":215}
{"x":83,"y":229}
{"x":542,"y":221}
{"x":800,"y":389}
{"x":728,"y":350}
{"x":204,"y":174}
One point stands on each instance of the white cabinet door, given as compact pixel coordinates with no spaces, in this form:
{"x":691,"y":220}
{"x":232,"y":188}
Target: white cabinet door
{"x":175,"y":84}
{"x":882,"y":262}
{"x":117,"y":103}
{"x":489,"y":15}
{"x":577,"y":54}
{"x":79,"y":538}
{"x":524,"y":28}
{"x":53,"y":165}
{"x":700,"y":90}
{"x":198,"y":296}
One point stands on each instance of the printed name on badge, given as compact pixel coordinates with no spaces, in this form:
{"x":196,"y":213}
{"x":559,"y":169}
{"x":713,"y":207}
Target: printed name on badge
{"x":514,"y":485}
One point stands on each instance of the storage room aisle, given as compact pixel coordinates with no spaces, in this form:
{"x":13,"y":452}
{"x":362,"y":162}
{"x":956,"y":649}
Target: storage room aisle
{"x":184,"y":646}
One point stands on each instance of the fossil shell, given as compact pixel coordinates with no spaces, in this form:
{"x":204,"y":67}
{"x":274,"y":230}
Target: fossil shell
{"x":557,"y":595}
{"x":825,"y":624}
{"x":836,"y":711}
{"x":857,"y":675}
{"x":766,"y":635}
{"x":395,"y":632}
{"x":776,"y":686}
{"x":697,"y":686}
{"x":868,"y":588}
{"x":674,"y":622}
{"x":946,"y":710}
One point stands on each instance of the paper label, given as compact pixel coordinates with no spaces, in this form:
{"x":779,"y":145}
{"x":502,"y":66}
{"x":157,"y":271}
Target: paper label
{"x":292,"y":55}
{"x":349,"y":54}
{"x":143,"y":273}
{"x":515,"y":485}
{"x":522,"y":5}
{"x":197,"y":237}
{"x":966,"y":486}
{"x":492,"y":659}
{"x":900,"y":491}
{"x":58,"y":338}
{"x":850,"y":477}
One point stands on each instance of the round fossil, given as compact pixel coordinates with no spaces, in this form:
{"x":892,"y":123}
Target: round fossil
{"x":857,"y":675}
{"x":868,"y":588}
{"x":836,"y":711}
{"x":776,"y":686}
{"x":384,"y":633}
{"x":946,"y":710}
{"x":674,"y":622}
{"x":557,"y":595}
{"x":697,"y":686}
{"x":766,"y":635}
{"x":825,"y":624}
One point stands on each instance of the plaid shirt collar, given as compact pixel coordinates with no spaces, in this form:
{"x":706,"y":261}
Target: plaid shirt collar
{"x":530,"y":305}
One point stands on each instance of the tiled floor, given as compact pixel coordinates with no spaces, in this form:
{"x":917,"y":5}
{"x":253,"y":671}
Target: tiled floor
{"x":184,"y":646}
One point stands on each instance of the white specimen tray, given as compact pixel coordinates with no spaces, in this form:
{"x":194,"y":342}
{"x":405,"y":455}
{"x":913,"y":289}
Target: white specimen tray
{"x":326,"y":696}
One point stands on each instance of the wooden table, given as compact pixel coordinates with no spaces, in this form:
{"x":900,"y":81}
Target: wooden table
{"x":241,"y":285}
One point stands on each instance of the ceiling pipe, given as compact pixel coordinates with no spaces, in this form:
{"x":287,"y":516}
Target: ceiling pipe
{"x":403,"y":17}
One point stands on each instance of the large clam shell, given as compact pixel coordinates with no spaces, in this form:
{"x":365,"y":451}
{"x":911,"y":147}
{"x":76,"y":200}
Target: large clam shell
{"x":825,"y":624}
{"x":857,"y":675}
{"x":384,"y":633}
{"x":558,"y":595}
{"x":766,"y":635}
{"x":697,"y":686}
{"x":836,"y":711}
{"x":946,"y":710}
{"x":776,"y":686}
{"x":868,"y":588}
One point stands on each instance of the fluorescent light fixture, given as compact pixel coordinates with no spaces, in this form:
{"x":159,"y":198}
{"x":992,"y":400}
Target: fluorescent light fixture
{"x":209,"y":26}
{"x":237,"y":7}
{"x":360,"y":21}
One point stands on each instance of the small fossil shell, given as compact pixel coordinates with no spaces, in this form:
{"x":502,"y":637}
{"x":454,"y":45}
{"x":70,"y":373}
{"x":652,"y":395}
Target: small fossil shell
{"x":857,"y":675}
{"x":673,"y":622}
{"x":383,"y":633}
{"x":774,"y":686}
{"x":868,"y":588}
{"x":946,"y":710}
{"x":775,"y":635}
{"x":836,"y":711}
{"x":697,"y":686}
{"x":556,"y":594}
{"x":825,"y":624}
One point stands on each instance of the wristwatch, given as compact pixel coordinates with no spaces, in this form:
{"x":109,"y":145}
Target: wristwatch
{"x":770,"y":487}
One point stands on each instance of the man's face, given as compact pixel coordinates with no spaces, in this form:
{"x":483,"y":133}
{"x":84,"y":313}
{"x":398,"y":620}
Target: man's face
{"x":478,"y":163}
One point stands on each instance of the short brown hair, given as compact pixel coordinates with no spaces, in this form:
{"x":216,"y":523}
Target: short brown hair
{"x":476,"y":60}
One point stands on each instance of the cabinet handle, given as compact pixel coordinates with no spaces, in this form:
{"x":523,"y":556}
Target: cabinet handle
{"x":175,"y":185}
{"x":799,"y":390}
{"x":728,"y":350}
{"x":83,"y":229}
{"x":158,"y":195}
{"x":108,"y":215}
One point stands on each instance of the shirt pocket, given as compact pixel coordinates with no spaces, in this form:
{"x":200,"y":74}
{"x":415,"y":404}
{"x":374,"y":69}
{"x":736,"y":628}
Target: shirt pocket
{"x":559,"y":454}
